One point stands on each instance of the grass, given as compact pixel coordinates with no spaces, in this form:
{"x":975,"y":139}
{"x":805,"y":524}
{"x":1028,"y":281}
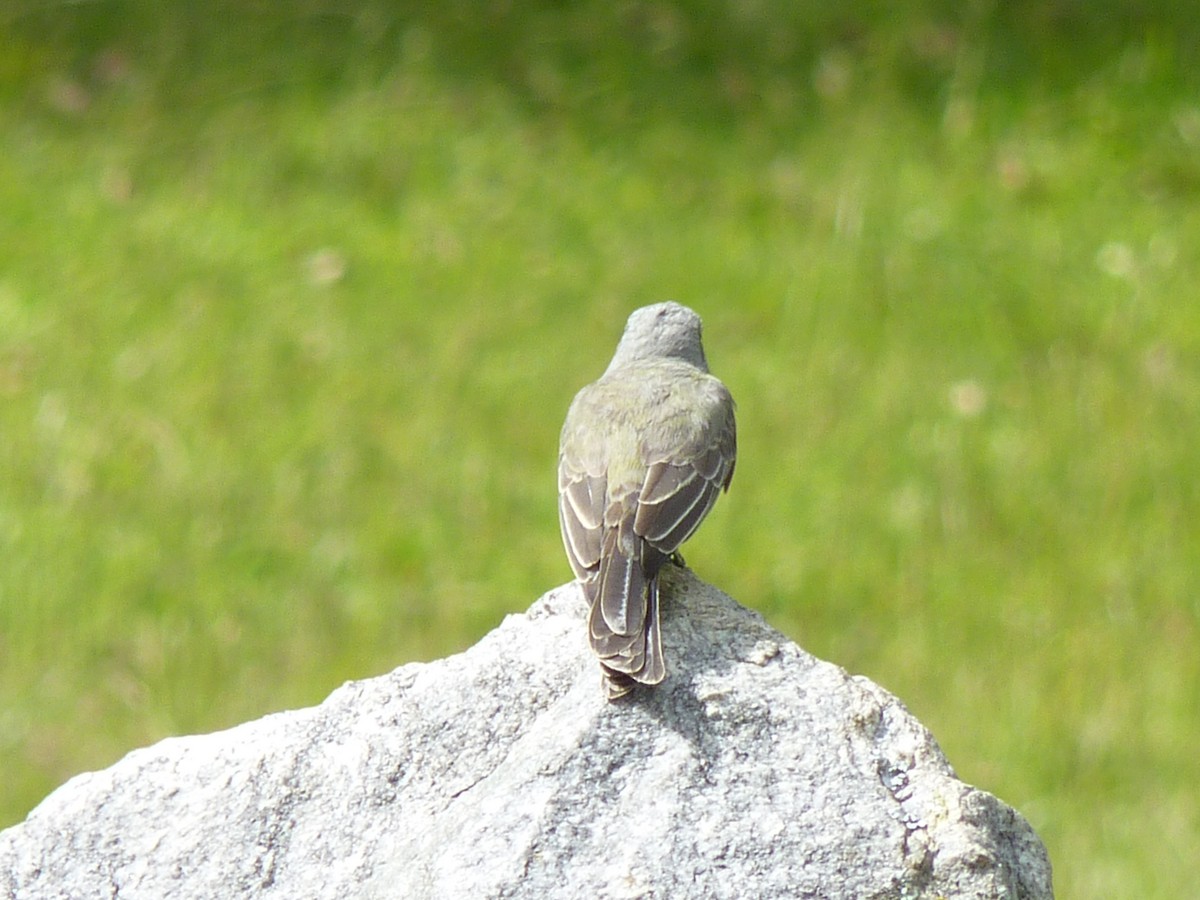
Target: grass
{"x":292,"y":305}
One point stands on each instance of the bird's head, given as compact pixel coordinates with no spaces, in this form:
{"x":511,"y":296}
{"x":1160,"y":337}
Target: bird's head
{"x":662,"y":331}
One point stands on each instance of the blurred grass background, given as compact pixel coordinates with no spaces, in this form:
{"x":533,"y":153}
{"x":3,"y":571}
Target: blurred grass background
{"x":293,"y":298}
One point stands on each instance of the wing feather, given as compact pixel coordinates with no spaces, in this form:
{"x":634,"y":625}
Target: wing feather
{"x":676,"y":496}
{"x":685,"y":526}
{"x":580,"y":515}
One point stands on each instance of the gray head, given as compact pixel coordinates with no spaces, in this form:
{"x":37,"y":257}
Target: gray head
{"x":664,"y":330}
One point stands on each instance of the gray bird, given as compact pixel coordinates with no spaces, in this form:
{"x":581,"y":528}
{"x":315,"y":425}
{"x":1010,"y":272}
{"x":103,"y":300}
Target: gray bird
{"x":644,"y":452}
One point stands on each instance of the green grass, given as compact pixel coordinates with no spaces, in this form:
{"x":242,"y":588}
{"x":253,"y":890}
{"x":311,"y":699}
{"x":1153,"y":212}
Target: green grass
{"x":292,"y":305}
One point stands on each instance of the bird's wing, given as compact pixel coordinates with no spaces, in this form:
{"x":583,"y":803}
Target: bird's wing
{"x":677,"y":494}
{"x":581,"y":504}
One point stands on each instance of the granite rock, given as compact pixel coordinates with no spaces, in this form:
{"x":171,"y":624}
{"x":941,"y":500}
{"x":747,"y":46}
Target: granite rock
{"x":754,"y":770}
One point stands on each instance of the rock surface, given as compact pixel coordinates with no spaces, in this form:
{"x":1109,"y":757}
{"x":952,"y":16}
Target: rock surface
{"x":755,"y":770}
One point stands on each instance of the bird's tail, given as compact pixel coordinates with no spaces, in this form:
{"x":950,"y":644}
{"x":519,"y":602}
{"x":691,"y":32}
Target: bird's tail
{"x":623,"y":622}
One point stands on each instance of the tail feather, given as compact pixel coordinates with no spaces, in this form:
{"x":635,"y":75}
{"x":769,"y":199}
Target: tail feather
{"x":616,"y":684}
{"x":623,"y":621}
{"x":622,"y":583}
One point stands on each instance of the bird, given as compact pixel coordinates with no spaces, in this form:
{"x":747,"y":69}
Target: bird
{"x":643,"y":455}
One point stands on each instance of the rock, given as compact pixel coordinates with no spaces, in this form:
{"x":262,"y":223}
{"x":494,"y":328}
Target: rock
{"x":755,"y":770}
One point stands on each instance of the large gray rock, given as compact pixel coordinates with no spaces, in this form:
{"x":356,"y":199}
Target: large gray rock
{"x":755,"y":770}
